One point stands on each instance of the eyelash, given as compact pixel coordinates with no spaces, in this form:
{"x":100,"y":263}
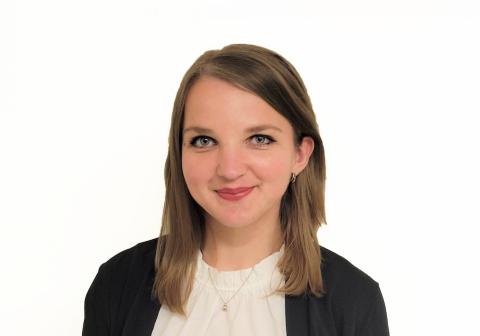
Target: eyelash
{"x":269,"y":138}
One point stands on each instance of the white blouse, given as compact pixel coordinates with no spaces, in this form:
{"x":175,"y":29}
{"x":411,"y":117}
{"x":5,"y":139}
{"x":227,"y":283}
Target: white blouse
{"x":251,"y":311}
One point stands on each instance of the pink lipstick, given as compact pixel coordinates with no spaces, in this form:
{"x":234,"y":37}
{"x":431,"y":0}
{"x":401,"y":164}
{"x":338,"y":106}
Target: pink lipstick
{"x":234,"y":194}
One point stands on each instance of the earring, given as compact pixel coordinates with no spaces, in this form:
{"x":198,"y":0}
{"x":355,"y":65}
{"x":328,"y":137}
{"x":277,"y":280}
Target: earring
{"x":293,"y":178}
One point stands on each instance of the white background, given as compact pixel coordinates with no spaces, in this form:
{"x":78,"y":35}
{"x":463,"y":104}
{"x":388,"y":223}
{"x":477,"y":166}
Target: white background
{"x":86,"y":92}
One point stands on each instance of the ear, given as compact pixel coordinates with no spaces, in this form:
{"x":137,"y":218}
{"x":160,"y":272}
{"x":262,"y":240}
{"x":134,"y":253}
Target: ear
{"x":304,"y":151}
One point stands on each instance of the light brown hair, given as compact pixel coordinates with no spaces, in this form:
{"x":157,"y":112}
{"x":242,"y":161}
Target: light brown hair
{"x":268,"y":75}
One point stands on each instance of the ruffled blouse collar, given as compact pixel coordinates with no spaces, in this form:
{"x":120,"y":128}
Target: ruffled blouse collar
{"x":260,"y":277}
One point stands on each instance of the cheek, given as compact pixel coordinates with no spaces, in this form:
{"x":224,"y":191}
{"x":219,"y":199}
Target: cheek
{"x":274,"y":166}
{"x":195,"y":171}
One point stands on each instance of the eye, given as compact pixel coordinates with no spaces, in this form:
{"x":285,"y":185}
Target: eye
{"x":263,"y":139}
{"x":200,"y":141}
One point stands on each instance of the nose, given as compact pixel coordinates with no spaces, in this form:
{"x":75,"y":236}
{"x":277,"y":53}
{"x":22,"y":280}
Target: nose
{"x":230,"y":163}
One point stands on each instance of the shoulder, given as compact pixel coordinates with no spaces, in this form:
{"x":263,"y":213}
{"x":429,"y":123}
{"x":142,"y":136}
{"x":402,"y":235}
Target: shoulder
{"x":141,"y":252}
{"x":352,"y":296}
{"x":141,"y":255}
{"x":114,"y":288}
{"x":340,"y":274}
{"x":129,"y":265}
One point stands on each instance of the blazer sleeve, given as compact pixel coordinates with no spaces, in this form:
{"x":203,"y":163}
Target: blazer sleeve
{"x":353,"y":300}
{"x":96,"y":322}
{"x":376,"y":322}
{"x":118,"y":285}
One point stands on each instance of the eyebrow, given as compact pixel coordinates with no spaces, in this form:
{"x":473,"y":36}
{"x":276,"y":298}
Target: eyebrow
{"x":258,"y":128}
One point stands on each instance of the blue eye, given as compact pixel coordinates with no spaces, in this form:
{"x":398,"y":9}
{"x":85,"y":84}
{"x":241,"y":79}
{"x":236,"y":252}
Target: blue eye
{"x":263,"y":139}
{"x":202,"y":143}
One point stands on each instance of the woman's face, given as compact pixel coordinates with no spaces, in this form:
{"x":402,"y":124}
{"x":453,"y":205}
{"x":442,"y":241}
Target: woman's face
{"x":233,"y":139}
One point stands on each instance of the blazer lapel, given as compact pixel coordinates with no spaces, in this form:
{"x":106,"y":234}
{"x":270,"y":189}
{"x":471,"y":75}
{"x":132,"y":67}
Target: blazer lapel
{"x":296,"y":313}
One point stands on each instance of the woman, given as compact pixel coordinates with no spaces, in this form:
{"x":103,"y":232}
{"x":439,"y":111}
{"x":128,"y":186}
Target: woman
{"x":238,"y":251}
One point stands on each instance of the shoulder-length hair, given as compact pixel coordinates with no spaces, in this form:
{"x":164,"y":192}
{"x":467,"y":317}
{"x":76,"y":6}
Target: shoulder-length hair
{"x":271,"y":77}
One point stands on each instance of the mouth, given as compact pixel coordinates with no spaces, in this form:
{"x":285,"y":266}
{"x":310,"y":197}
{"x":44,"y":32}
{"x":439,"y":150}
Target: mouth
{"x":234,"y":194}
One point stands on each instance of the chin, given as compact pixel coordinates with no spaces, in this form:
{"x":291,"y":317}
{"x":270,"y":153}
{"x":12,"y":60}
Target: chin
{"x":231,"y":221}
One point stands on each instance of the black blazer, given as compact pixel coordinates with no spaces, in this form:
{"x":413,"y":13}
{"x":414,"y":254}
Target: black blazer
{"x":119,"y":301}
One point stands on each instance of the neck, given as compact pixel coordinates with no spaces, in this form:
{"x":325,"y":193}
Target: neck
{"x":229,"y":249}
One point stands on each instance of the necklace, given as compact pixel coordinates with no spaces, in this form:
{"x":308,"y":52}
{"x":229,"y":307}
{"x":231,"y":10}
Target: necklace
{"x":224,"y":308}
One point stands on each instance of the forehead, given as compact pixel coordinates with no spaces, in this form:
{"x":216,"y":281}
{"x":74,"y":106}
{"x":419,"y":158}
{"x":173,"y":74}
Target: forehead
{"x":216,"y":103}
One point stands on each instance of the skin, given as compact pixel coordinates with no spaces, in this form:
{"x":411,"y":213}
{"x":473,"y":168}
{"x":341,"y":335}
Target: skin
{"x":239,"y":233}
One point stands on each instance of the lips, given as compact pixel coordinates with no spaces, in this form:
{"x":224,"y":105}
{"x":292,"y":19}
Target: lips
{"x":233,"y":190}
{"x":234,"y":194}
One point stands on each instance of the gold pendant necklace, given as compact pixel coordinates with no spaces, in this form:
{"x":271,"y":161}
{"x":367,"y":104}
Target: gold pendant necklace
{"x":225,"y":307}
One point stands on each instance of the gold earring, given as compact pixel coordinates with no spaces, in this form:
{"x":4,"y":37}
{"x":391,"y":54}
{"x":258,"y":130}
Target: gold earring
{"x":293,"y":178}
